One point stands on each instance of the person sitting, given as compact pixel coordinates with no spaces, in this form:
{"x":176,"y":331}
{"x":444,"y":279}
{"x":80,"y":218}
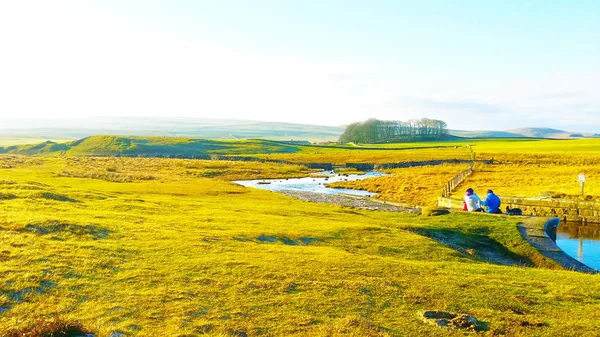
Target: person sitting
{"x":492,"y":203}
{"x":472,"y":201}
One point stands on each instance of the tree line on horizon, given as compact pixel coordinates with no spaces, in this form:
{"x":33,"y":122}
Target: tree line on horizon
{"x":378,"y":131}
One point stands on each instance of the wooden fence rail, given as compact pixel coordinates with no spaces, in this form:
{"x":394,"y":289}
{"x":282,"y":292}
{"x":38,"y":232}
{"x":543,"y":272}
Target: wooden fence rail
{"x":454,"y":182}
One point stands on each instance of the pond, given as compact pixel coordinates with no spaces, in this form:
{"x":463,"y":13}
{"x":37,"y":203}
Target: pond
{"x":313,"y":184}
{"x":582,"y":242}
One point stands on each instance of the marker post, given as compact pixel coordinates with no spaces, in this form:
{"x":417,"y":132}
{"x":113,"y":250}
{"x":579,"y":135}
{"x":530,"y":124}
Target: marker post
{"x":581,"y":179}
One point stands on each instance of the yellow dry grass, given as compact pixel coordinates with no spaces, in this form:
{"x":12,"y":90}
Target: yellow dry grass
{"x":414,"y":185}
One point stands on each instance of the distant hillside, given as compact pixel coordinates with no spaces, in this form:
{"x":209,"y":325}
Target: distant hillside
{"x":523,"y":133}
{"x":485,"y":134}
{"x":150,"y":147}
{"x":174,"y":127}
{"x":550,"y":133}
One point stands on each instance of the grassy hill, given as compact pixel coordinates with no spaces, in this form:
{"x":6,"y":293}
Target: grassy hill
{"x":150,"y":147}
{"x":171,"y":127}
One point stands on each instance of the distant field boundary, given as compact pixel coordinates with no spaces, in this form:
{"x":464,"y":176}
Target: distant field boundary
{"x":383,"y":166}
{"x":359,"y":147}
{"x":323,"y":166}
{"x":564,"y":209}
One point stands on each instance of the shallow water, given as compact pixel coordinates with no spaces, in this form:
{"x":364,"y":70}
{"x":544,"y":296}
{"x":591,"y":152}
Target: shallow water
{"x":581,"y":242}
{"x":310,"y":184}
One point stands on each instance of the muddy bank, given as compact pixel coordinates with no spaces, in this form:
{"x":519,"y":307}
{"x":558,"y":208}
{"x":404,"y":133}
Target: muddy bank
{"x":349,"y":201}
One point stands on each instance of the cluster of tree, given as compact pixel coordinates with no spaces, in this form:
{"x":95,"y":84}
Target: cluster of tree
{"x":376,"y":131}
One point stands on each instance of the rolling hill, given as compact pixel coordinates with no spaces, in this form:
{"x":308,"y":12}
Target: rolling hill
{"x":523,"y":133}
{"x":35,"y":131}
{"x":150,"y":147}
{"x":167,"y":127}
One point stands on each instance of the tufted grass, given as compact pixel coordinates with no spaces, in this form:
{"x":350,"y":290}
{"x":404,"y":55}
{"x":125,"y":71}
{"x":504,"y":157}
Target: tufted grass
{"x":185,"y":255}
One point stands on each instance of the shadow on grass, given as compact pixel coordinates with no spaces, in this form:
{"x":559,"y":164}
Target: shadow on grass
{"x":55,"y":197}
{"x":56,"y":227}
{"x":286,"y":240}
{"x":54,"y":328}
{"x":476,"y":245}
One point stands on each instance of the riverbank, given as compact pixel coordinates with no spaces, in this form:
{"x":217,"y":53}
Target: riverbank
{"x":350,"y":201}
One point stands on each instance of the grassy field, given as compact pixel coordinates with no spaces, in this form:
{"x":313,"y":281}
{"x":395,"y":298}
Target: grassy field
{"x":537,"y":168}
{"x":177,"y":250}
{"x":172,"y":146}
{"x":413,"y":185}
{"x":522,"y":167}
{"x":149,"y":147}
{"x":341,"y":156}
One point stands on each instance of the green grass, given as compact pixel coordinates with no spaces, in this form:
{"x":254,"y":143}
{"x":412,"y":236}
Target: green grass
{"x":183,"y":255}
{"x":150,"y":147}
{"x":536,"y":145}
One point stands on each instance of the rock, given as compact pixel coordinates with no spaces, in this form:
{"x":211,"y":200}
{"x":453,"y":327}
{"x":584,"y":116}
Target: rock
{"x":452,"y":321}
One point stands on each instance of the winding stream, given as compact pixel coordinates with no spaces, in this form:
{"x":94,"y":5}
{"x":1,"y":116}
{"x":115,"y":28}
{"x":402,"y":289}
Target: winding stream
{"x":313,"y":184}
{"x":582,"y":242}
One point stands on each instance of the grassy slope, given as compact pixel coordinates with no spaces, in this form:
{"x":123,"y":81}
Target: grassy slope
{"x":149,"y":146}
{"x":181,"y":255}
{"x":171,"y":146}
{"x":173,"y":127}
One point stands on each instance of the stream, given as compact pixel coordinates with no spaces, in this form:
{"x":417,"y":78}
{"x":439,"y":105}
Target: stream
{"x":313,"y":184}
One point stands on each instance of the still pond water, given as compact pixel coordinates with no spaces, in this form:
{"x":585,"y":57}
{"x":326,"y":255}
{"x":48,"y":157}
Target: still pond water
{"x":312,"y":184}
{"x":581,"y":242}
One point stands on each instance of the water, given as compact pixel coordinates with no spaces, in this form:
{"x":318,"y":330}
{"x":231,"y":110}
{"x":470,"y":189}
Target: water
{"x":582,"y":242}
{"x":310,"y":184}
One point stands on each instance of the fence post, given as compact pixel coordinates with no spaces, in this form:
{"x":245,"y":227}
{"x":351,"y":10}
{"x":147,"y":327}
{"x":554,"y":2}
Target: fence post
{"x":454,"y":182}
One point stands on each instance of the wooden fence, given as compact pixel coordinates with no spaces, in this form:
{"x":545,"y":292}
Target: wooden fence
{"x":454,"y":182}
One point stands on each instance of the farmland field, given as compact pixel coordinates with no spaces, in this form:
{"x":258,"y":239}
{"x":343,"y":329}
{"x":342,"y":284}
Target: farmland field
{"x":420,"y":185}
{"x":538,"y":168}
{"x":340,"y":156}
{"x":170,"y":247}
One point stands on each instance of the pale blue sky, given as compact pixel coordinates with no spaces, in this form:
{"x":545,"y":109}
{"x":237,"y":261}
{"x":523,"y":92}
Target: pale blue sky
{"x":475,"y":64}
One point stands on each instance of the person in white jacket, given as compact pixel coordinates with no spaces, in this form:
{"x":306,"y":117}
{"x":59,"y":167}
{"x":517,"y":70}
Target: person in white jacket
{"x":473,"y":201}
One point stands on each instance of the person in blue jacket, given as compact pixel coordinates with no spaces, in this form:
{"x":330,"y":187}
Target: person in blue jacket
{"x":492,"y":203}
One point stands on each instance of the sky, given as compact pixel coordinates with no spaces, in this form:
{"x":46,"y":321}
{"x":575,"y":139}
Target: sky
{"x":490,"y":65}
